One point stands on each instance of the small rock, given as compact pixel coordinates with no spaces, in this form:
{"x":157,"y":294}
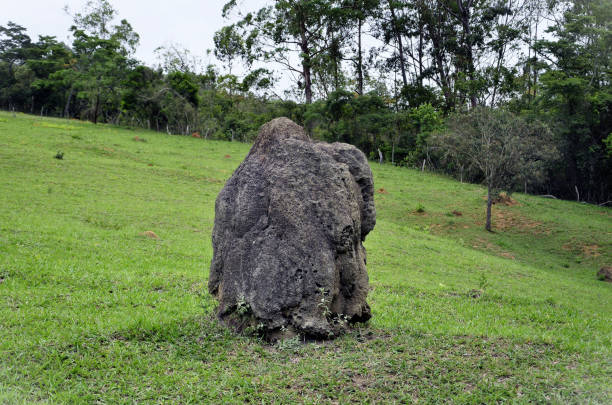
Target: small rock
{"x":605,"y":274}
{"x":475,"y":293}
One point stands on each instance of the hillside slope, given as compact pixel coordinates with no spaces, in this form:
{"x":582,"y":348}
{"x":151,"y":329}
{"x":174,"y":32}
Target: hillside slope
{"x":104,"y":259}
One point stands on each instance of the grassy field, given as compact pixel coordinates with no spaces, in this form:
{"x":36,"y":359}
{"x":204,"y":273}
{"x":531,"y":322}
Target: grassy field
{"x":104,"y":260}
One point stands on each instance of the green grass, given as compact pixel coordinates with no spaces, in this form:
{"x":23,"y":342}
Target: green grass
{"x":92,"y":310}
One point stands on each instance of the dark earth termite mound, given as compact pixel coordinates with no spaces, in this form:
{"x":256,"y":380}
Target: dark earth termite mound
{"x":289,"y":225}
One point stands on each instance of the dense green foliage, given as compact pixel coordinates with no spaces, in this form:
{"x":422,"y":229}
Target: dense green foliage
{"x":380,"y":74}
{"x":95,"y":309}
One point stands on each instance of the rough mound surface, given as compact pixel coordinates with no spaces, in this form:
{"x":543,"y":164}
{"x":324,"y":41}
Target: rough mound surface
{"x":289,"y":224}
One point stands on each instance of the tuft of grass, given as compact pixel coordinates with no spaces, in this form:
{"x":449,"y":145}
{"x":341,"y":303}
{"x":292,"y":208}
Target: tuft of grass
{"x":91,"y":311}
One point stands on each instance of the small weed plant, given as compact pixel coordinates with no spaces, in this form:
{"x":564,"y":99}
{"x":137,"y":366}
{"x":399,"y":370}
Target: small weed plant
{"x":242,"y":307}
{"x":324,"y":302}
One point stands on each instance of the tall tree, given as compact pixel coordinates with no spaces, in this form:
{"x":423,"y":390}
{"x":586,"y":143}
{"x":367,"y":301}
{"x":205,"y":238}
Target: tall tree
{"x":287,"y":28}
{"x":358,"y":12}
{"x":47,"y":58}
{"x":229,"y":46}
{"x":103,"y":56}
{"x":577,"y":96}
{"x":476,"y":19}
{"x":15,"y":46}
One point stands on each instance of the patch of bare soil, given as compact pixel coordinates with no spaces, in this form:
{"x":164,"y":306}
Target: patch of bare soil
{"x":149,"y":234}
{"x":587,"y":250}
{"x":504,"y":220}
{"x":591,"y":250}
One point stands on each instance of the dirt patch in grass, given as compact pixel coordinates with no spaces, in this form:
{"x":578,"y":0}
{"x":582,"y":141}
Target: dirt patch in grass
{"x":591,"y":250}
{"x":382,"y":191}
{"x":502,"y":219}
{"x":587,"y":250}
{"x":149,"y":234}
{"x":507,"y":220}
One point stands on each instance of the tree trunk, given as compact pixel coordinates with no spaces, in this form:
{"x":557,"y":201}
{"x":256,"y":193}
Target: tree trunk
{"x":535,"y":60}
{"x":438,"y":59}
{"x":400,"y":46}
{"x":465,"y":16}
{"x":420,"y":52}
{"x":67,"y":107}
{"x":306,"y":64}
{"x":489,"y":203}
{"x":95,"y":117}
{"x":359,"y":61}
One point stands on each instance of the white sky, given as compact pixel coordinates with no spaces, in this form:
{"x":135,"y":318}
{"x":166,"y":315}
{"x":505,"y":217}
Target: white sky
{"x":190,"y":23}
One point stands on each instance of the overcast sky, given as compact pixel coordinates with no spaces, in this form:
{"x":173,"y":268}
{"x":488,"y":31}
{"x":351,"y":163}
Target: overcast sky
{"x":190,"y":23}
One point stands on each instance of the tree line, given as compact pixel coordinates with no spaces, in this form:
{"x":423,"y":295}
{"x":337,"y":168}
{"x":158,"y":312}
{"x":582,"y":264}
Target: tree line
{"x":422,"y":83}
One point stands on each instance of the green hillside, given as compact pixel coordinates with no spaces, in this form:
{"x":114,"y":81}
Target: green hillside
{"x":104,"y":259}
